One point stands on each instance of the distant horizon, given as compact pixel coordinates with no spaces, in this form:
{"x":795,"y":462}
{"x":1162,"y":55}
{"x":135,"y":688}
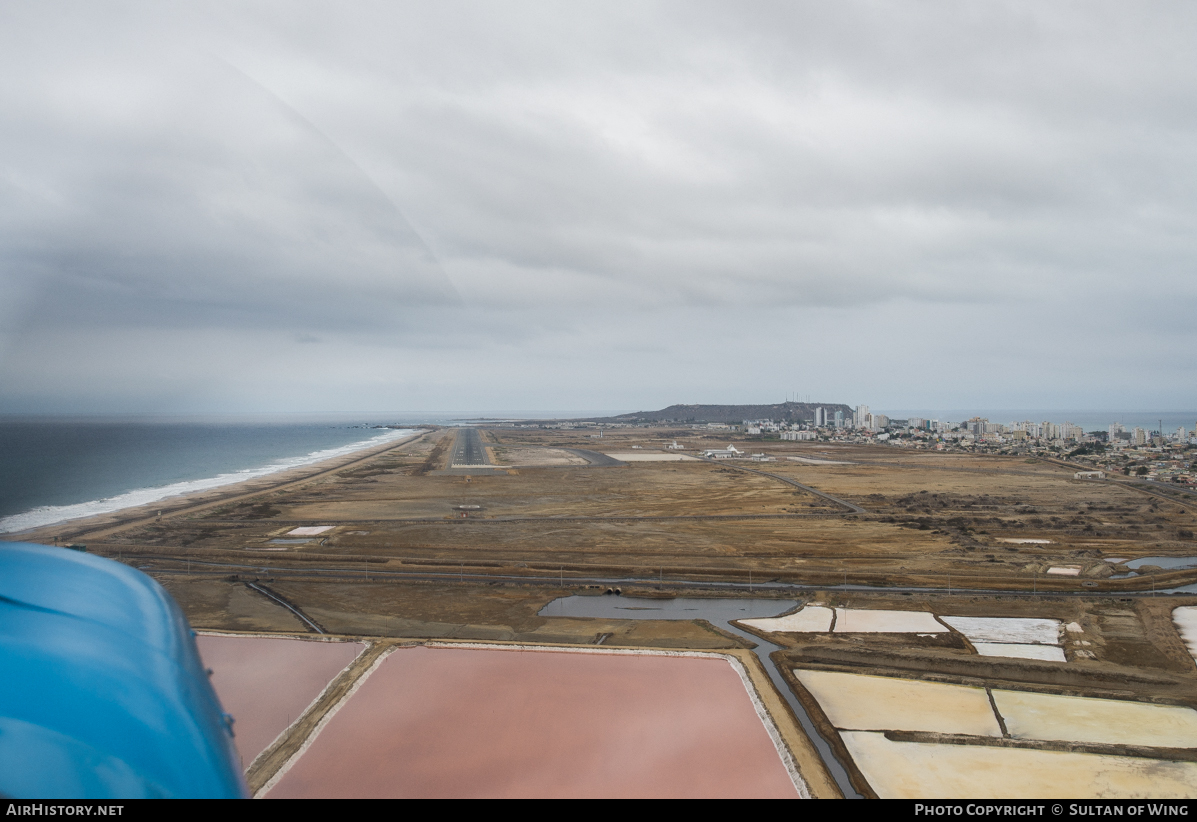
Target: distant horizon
{"x":1084,"y":416}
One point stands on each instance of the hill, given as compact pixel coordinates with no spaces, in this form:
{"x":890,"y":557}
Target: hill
{"x":781,"y":412}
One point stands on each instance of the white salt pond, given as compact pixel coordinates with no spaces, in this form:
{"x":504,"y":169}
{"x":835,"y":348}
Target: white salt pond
{"x":812,"y":618}
{"x":1051,"y":653}
{"x":1019,"y":630}
{"x":1186,"y":622}
{"x":309,"y":530}
{"x":1108,"y":721}
{"x":652,"y":456}
{"x":863,"y":702}
{"x":913,"y":770}
{"x":1065,"y":570}
{"x":860,"y":621}
{"x":817,"y":618}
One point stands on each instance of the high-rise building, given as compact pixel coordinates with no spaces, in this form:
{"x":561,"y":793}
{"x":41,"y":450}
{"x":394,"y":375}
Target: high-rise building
{"x":858,"y":419}
{"x":839,"y":419}
{"x":820,"y":417}
{"x":977,"y":426}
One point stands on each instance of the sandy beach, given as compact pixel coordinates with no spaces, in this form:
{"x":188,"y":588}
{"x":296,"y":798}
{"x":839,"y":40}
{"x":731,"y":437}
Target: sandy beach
{"x":104,"y":525}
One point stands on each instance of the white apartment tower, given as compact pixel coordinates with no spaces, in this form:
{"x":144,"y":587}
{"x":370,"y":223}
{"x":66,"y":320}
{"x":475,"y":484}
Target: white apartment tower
{"x":859,"y":419}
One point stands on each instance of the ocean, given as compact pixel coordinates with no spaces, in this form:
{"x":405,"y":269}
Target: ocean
{"x":54,"y":470}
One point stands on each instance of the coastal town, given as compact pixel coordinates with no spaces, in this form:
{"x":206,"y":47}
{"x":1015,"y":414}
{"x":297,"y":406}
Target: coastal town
{"x":1154,"y":455}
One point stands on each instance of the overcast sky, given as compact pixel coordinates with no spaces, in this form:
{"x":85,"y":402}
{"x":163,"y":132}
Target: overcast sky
{"x":398,"y":208}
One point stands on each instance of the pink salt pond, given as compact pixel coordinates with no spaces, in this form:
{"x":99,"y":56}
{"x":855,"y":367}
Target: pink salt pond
{"x":455,"y":722}
{"x":267,"y":683}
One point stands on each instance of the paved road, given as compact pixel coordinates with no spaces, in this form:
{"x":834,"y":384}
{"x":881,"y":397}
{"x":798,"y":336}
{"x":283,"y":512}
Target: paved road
{"x":1166,"y":486}
{"x":273,"y":597}
{"x":159,"y":563}
{"x":240,"y":523}
{"x":852,"y":507}
{"x":468,"y":450}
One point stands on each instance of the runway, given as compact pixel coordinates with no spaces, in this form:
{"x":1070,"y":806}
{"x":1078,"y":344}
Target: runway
{"x":468,"y":451}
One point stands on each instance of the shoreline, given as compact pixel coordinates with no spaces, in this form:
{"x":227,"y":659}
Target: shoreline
{"x":104,"y":524}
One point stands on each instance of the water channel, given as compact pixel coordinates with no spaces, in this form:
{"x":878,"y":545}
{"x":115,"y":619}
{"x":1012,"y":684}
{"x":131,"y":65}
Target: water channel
{"x":719,"y":612}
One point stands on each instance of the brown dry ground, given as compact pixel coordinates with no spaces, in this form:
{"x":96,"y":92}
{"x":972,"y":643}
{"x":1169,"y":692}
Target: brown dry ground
{"x":425,"y":611}
{"x":933,"y":521}
{"x":401,"y":562}
{"x":929,"y":515}
{"x":532,"y":456}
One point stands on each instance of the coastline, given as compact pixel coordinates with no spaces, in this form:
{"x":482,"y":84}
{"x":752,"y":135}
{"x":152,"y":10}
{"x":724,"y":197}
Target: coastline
{"x":104,"y":524}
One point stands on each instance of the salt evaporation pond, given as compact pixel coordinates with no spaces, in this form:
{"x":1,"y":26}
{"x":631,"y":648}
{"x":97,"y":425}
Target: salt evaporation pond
{"x":1173,"y":563}
{"x":1019,"y":630}
{"x":811,"y":619}
{"x":490,"y":722}
{"x":917,"y":770}
{"x":865,"y":702}
{"x":818,"y":618}
{"x":871,"y":621}
{"x":1047,"y":653}
{"x":1085,"y":719}
{"x":1185,"y":618}
{"x":267,"y":683}
{"x":724,"y":613}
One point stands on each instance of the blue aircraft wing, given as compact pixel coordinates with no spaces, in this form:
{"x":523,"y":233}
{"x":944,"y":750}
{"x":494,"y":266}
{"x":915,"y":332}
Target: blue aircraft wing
{"x":102,"y":692}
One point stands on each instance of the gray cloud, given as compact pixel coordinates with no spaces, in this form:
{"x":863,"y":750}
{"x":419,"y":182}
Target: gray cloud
{"x":450,"y":205}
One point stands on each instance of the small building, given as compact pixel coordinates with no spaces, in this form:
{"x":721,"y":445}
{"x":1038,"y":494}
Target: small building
{"x":1089,"y":475}
{"x":731,"y":452}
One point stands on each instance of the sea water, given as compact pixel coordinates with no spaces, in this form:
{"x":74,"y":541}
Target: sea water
{"x":54,"y":470}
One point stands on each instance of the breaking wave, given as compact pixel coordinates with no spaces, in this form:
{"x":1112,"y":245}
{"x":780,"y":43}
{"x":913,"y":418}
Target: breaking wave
{"x":52,"y":514}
